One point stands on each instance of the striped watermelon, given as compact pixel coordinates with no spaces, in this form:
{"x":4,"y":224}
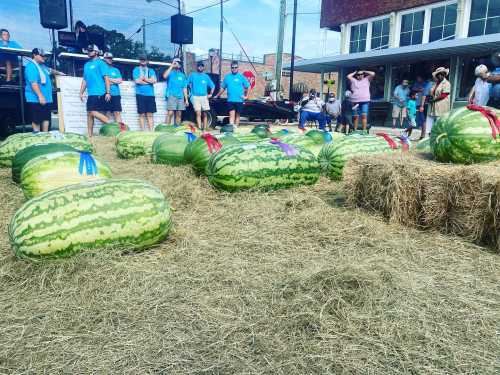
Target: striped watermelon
{"x":333,"y":156}
{"x":319,"y":136}
{"x":132,"y":144}
{"x":126,"y":213}
{"x":306,"y":142}
{"x":17,"y":142}
{"x":282,"y":133}
{"x":169,"y":148}
{"x":113,"y":129}
{"x":261,"y":131}
{"x":31,"y":152}
{"x":198,"y":152}
{"x":51,"y":171}
{"x":466,"y":136}
{"x":184,"y":127}
{"x":263,"y":166}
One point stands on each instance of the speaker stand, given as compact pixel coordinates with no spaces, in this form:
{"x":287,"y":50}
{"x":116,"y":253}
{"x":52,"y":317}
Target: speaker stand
{"x":54,"y":49}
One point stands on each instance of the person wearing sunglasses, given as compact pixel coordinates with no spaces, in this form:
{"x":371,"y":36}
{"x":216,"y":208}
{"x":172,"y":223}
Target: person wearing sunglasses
{"x":115,"y":79}
{"x":237,"y":92}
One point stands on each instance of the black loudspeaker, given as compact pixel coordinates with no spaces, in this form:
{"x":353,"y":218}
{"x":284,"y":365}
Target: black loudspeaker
{"x":53,"y":14}
{"x":181,"y":29}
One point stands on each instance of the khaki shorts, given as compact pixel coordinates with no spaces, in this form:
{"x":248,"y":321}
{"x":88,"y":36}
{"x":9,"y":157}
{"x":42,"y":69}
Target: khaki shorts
{"x":200,"y":103}
{"x":398,"y":111}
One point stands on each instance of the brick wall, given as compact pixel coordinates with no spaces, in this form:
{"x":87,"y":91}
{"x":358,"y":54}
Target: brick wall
{"x":336,"y":12}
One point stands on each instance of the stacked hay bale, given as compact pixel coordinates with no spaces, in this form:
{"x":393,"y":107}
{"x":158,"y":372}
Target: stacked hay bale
{"x":412,"y":191}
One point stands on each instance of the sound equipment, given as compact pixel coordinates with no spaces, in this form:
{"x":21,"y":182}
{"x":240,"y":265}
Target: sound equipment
{"x":181,"y":29}
{"x":67,"y":39}
{"x":53,"y":14}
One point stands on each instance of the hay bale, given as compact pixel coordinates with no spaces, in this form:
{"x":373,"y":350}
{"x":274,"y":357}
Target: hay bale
{"x":410,"y":190}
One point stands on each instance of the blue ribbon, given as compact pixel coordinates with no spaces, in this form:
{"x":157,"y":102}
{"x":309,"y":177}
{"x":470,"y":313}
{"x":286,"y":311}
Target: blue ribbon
{"x":289,"y":150}
{"x":190,"y":136}
{"x":88,"y":163}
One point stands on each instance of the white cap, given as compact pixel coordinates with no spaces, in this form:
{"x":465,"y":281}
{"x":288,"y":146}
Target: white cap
{"x":108,"y":55}
{"x":480,"y":70}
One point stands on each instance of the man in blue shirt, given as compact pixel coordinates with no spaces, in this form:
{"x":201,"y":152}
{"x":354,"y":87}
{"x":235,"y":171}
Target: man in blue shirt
{"x":176,"y":92}
{"x":199,"y":84}
{"x":115,"y":80}
{"x":7,"y":58}
{"x":96,"y":82}
{"x":145,"y":78}
{"x":237,"y":91}
{"x":38,"y":90}
{"x":401,"y":94}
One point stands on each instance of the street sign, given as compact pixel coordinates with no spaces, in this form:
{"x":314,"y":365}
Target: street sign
{"x":250,"y":77}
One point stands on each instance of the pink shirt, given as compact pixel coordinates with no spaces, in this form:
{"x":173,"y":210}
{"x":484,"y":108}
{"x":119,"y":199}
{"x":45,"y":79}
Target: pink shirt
{"x":360,"y":90}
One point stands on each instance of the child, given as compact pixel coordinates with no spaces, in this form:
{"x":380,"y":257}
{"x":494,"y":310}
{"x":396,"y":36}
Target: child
{"x":344,"y":120}
{"x":411,"y":120}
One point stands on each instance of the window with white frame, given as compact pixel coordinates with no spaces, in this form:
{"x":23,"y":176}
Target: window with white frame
{"x":443,"y":23}
{"x":484,"y":17}
{"x":412,"y":28}
{"x":380,"y":34}
{"x":358,"y":38}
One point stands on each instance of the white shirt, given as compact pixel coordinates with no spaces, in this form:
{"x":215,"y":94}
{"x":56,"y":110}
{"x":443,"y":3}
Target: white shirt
{"x":314,"y":105}
{"x":481,"y":92}
{"x":333,"y":108}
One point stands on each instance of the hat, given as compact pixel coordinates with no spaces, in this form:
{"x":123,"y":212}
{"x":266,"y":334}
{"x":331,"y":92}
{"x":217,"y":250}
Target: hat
{"x":38,"y":51}
{"x":108,"y":55}
{"x":441,"y":70}
{"x":200,"y":63}
{"x":405,"y":81}
{"x":480,"y":70}
{"x":92,"y":47}
{"x":143,"y":57}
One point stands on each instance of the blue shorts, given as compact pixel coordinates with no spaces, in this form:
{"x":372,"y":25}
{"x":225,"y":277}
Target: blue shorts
{"x":362,"y":109}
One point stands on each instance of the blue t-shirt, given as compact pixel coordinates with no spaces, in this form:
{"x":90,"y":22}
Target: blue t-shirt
{"x":176,"y":83}
{"x":411,"y":105}
{"x":401,"y":93}
{"x":94,"y":72}
{"x":10,"y":44}
{"x":235,"y":85}
{"x":199,"y":83}
{"x":146,"y":90}
{"x":32,"y":75}
{"x":114,"y":73}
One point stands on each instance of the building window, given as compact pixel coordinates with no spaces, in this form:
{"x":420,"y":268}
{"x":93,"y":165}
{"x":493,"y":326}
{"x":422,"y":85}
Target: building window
{"x":412,"y":28}
{"x":380,"y":34}
{"x":443,"y":23}
{"x":484,"y":17}
{"x":358,"y":38}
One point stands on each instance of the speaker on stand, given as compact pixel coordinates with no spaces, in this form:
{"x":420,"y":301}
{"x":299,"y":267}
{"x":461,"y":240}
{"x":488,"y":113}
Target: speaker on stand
{"x":53,"y":16}
{"x":181,"y":32}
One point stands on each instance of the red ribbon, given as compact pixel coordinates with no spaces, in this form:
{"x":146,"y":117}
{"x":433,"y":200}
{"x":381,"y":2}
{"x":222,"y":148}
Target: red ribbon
{"x":213,"y":143}
{"x":490,"y":116}
{"x":123,"y":127}
{"x":193,"y":129}
{"x":390,"y":141}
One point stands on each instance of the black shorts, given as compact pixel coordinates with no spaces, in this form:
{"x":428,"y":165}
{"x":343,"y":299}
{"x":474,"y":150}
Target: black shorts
{"x":96,"y":103}
{"x":39,"y":113}
{"x":145,"y":104}
{"x":235,"y":106}
{"x":115,"y":104}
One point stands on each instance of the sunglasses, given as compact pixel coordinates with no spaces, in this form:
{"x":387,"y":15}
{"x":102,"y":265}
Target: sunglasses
{"x":234,"y":67}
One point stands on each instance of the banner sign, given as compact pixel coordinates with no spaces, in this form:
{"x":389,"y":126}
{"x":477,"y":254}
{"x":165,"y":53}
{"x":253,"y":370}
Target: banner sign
{"x":73,"y":113}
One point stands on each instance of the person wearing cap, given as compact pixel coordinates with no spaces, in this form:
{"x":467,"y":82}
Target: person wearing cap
{"x":176,"y":92}
{"x":199,"y":83}
{"x":96,"y":83}
{"x":8,"y":59}
{"x":480,"y":92}
{"x":38,"y":90}
{"x":440,"y":97}
{"x":360,"y":98}
{"x":400,"y":98}
{"x":115,"y":80}
{"x":145,"y":79}
{"x":237,"y":92}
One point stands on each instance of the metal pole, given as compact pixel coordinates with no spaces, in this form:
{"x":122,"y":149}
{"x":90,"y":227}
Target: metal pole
{"x":279,"y":48}
{"x":294,"y":31}
{"x":144,"y":35}
{"x":220,"y":42}
{"x":71,"y":24}
{"x":54,"y":50}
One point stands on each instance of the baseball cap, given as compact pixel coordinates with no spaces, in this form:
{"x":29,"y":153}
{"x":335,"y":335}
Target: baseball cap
{"x":143,"y":57}
{"x":38,"y":51}
{"x":92,"y":47}
{"x":108,"y":55}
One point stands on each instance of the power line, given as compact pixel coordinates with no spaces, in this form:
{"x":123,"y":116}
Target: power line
{"x":208,"y":6}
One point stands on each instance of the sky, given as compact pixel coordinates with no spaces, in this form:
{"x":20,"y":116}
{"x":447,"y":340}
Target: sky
{"x":255,"y":23}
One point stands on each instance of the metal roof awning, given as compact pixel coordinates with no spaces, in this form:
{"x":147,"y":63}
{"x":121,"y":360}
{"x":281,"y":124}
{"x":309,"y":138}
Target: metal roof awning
{"x":478,"y":45}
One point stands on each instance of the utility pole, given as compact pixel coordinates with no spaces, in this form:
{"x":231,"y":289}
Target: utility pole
{"x":144,"y":35}
{"x":294,"y":31}
{"x":220,"y":42}
{"x":279,"y":48}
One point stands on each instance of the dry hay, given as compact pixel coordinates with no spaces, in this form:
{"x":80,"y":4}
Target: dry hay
{"x":413,"y":191}
{"x":289,"y":282}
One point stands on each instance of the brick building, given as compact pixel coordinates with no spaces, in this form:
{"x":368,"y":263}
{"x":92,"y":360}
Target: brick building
{"x":401,"y":39}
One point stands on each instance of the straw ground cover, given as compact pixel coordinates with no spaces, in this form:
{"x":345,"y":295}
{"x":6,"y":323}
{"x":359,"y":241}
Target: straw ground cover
{"x":290,"y":282}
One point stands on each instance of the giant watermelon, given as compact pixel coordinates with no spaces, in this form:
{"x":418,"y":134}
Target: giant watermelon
{"x":169,"y":148}
{"x":263,"y":166}
{"x":261,"y":131}
{"x":467,"y":136}
{"x":184,"y":127}
{"x":319,"y":136}
{"x":307,"y":142}
{"x":113,"y":129}
{"x":15,"y":143}
{"x":132,"y":144}
{"x":51,"y":171}
{"x":127,"y":213}
{"x":198,"y":153}
{"x":31,"y":152}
